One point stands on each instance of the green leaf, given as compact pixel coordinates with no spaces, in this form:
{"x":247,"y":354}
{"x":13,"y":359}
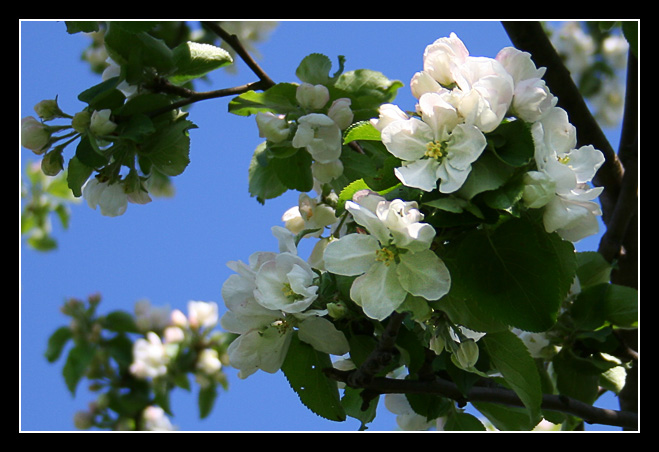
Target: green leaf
{"x":294,"y":171}
{"x":592,"y":269}
{"x":362,"y":130}
{"x":463,"y":422}
{"x":120,"y":322}
{"x":514,"y":143}
{"x":605,"y":303}
{"x":263,"y":180}
{"x":571,"y":380}
{"x":510,"y":356}
{"x":206,"y":400}
{"x":487,"y":173}
{"x":77,"y":175}
{"x":56,"y":343}
{"x":314,"y":69}
{"x":88,"y":154}
{"x":279,"y":98}
{"x":516,"y":273}
{"x":81,"y":26}
{"x":194,"y":60}
{"x":505,"y":418}
{"x":353,"y":404}
{"x":103,"y":95}
{"x":367,"y":89}
{"x":303,"y":368}
{"x":134,"y":46}
{"x":80,"y":356}
{"x":168,"y":148}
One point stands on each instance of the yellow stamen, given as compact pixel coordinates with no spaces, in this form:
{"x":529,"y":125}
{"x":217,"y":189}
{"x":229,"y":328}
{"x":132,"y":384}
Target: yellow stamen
{"x":385,"y":255}
{"x":435,"y":150}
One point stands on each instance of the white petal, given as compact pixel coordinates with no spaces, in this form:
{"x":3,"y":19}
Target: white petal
{"x":378,"y":291}
{"x":322,"y":335}
{"x":259,"y":350}
{"x":369,"y":220}
{"x":407,"y":139}
{"x":424,"y":274}
{"x":351,"y":255}
{"x":419,"y":174}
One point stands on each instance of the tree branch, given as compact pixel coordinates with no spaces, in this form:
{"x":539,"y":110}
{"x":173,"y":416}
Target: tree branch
{"x":236,"y":45}
{"x":445,"y":388}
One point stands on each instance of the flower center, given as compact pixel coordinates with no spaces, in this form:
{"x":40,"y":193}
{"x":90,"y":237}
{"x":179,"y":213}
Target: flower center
{"x":385,"y":255}
{"x":435,"y":150}
{"x":564,"y":160}
{"x":290,"y":293}
{"x":282,"y":326}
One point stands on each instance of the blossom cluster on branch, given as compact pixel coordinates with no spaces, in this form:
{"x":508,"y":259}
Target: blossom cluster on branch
{"x":444,"y":258}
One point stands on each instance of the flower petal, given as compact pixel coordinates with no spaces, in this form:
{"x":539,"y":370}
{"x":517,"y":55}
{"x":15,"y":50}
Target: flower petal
{"x":378,"y":291}
{"x":419,"y":174}
{"x":351,"y":255}
{"x":322,"y":335}
{"x":424,"y":274}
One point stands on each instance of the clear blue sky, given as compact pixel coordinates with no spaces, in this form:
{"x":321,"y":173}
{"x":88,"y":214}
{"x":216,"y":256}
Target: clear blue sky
{"x":174,"y":250}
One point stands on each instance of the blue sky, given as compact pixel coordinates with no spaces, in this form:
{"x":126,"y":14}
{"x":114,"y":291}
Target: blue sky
{"x":174,"y":250}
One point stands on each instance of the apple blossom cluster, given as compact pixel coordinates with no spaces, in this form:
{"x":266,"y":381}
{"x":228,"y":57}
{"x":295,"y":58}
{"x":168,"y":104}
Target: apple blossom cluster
{"x":268,"y":299}
{"x":166,"y":332}
{"x":111,"y":196}
{"x":461,"y":98}
{"x":319,"y":130}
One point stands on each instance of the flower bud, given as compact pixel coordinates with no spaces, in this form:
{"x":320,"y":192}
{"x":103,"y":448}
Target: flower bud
{"x":81,"y":121}
{"x":209,"y":361}
{"x":52,"y":163}
{"x":100,"y":123}
{"x":34,"y":135}
{"x":436,"y":344}
{"x":467,"y":354}
{"x":313,"y":97}
{"x":341,"y":113}
{"x":272,"y":127}
{"x":83,"y":420}
{"x":48,"y":109}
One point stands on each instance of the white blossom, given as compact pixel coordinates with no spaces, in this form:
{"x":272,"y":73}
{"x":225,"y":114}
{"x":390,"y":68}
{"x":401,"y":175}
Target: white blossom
{"x":202,"y":314}
{"x":101,"y":124}
{"x":320,"y":136}
{"x":572,"y":212}
{"x":155,"y":419}
{"x":111,"y":198}
{"x":390,"y":262}
{"x":150,"y":357}
{"x":265,"y":332}
{"x":437,"y":147}
{"x":208,"y":361}
{"x":532,"y":97}
{"x":274,"y":128}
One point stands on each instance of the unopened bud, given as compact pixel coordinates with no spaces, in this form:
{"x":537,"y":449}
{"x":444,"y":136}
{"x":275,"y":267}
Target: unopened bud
{"x":34,"y":135}
{"x":48,"y":109}
{"x":52,"y":163}
{"x":313,"y":97}
{"x":81,"y":121}
{"x":467,"y":354}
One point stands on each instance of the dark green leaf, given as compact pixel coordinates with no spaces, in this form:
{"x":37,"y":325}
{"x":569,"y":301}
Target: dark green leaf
{"x":120,"y":321}
{"x":295,"y":171}
{"x":303,"y":368}
{"x":56,"y":343}
{"x":88,"y":154}
{"x":76,"y":364}
{"x":463,"y":422}
{"x":206,"y":400}
{"x":314,"y":69}
{"x":514,"y":143}
{"x":81,"y":26}
{"x":168,"y":149}
{"x":517,"y":273}
{"x":279,"y":98}
{"x":77,"y":175}
{"x":263,"y":181}
{"x":510,"y":356}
